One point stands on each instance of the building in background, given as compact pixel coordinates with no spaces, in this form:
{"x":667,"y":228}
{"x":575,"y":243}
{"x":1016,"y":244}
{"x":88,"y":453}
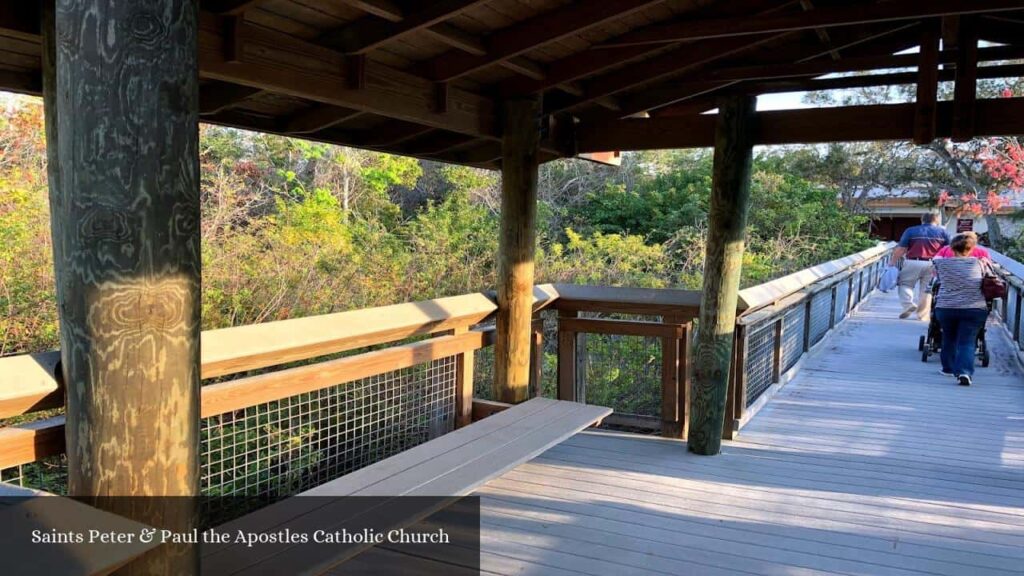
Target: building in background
{"x":892,"y":211}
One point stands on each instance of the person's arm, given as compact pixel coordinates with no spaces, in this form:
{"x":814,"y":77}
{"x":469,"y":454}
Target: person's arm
{"x":901,"y":249}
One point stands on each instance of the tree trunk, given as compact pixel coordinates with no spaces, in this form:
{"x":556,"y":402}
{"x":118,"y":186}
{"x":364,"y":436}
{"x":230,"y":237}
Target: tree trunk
{"x":517,"y":245}
{"x":730,"y":199}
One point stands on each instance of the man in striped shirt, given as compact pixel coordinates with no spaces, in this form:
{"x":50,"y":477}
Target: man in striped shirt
{"x":919,"y":244}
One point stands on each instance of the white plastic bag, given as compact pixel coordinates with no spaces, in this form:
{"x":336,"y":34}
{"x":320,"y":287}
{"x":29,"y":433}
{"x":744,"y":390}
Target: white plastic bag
{"x":890,"y":278}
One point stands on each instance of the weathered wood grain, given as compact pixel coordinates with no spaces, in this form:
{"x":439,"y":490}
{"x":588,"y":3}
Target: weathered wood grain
{"x":520,"y":149}
{"x":730,"y":197}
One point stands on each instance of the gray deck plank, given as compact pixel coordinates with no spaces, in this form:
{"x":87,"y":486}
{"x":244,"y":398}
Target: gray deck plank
{"x":868,"y":462}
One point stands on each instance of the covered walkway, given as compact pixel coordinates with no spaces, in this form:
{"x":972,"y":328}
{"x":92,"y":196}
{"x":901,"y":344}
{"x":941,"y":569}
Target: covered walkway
{"x":869,"y":462}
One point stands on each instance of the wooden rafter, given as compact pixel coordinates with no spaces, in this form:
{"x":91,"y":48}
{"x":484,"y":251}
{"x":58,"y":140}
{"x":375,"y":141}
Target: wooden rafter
{"x":927,"y":82}
{"x":385,"y":9}
{"x":696,"y":106}
{"x":532,"y":33}
{"x":217,"y":97}
{"x":696,"y":29}
{"x":366,"y":34}
{"x":851,"y":42}
{"x":591,"y":62}
{"x":318,"y":117}
{"x":809,"y":126}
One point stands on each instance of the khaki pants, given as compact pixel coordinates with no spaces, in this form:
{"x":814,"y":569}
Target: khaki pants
{"x":914,"y":277}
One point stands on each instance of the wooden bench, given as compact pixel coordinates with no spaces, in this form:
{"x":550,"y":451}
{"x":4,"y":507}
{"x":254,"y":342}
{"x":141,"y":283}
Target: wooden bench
{"x":453,"y":465}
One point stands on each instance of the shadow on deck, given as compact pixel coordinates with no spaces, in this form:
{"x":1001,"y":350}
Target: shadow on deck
{"x":869,"y":462}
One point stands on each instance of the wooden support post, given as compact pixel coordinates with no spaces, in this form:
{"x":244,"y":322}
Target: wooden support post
{"x":126,"y":218}
{"x":673,"y":393}
{"x":670,"y":424}
{"x":464,"y":366}
{"x":927,"y":82}
{"x":520,"y":146}
{"x":537,"y":360}
{"x":965,"y":89}
{"x":566,"y":359}
{"x":736,"y":404}
{"x":730,"y":198}
{"x":685,"y":359}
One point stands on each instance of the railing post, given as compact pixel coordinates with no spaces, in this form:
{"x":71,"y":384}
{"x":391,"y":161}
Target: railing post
{"x":673,"y":393}
{"x":464,"y":367}
{"x":832,"y":309}
{"x":736,"y":403}
{"x":807,"y":321}
{"x":537,"y":359}
{"x":1017,"y":332}
{"x":779,"y":330}
{"x":566,"y":359}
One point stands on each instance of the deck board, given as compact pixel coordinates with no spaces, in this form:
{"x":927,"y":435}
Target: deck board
{"x":868,"y":462}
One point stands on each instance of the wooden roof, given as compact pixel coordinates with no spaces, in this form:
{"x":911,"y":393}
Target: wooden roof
{"x":427,"y":78}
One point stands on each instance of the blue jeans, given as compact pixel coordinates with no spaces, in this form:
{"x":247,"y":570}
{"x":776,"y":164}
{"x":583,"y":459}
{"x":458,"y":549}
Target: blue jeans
{"x":959,"y":337}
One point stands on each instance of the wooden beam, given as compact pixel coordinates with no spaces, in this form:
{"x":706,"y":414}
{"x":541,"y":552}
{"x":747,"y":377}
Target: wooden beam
{"x":517,"y":244}
{"x":653,"y":97}
{"x":965,"y":90}
{"x":318,"y":117}
{"x":681,"y":60}
{"x":730,"y":199}
{"x":20,"y":20}
{"x":229,"y":7}
{"x":533,"y":33}
{"x":216,"y":97}
{"x":457,"y":38}
{"x":386,"y":9}
{"x":594,"y":61}
{"x":994,"y":117}
{"x":287,"y":65}
{"x":781,"y":85}
{"x":697,"y":29}
{"x":367,"y":34}
{"x":927,"y":82}
{"x":818,"y":68}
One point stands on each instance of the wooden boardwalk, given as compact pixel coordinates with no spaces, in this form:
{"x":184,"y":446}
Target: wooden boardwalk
{"x":869,"y":463}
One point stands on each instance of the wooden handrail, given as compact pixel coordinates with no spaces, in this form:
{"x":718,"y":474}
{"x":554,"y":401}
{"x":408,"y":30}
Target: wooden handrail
{"x":26,"y":443}
{"x":768,"y":293}
{"x":615,"y":300}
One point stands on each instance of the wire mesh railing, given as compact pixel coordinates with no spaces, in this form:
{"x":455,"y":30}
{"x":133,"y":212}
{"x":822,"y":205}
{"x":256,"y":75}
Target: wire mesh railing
{"x":772,"y":340}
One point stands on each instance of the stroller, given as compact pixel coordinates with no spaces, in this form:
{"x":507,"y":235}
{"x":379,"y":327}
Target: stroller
{"x":931,"y":342}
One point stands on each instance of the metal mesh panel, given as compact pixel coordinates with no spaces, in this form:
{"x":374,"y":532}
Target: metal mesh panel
{"x":821,"y":313}
{"x":842,"y":300}
{"x":49,"y":474}
{"x":760,"y":360}
{"x":793,"y":335}
{"x":483,"y":373}
{"x":286,"y":446}
{"x":621,"y":372}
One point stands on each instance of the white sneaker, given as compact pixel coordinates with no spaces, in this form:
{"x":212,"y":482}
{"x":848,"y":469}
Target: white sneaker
{"x":963,"y":380}
{"x":907,"y":312}
{"x":944,"y":373}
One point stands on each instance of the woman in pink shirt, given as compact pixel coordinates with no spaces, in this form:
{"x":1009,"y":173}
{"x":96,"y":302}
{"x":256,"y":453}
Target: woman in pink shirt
{"x":976,"y":252}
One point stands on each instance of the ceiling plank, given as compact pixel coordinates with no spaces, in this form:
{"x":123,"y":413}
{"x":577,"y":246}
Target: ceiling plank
{"x":366,"y":34}
{"x":531,"y":33}
{"x":20,"y":20}
{"x":927,"y":81}
{"x":861,"y":13}
{"x":995,"y":117}
{"x":965,"y":90}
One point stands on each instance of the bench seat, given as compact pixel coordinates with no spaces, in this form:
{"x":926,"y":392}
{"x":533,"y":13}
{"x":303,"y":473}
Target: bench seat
{"x":453,"y":465}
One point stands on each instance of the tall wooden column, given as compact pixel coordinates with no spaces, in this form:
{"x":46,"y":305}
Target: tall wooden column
{"x":730,"y":199}
{"x":126,"y":232}
{"x":520,"y":143}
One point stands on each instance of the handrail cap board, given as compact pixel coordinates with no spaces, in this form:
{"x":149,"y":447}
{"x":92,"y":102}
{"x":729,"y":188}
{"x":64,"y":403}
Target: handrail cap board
{"x":30,"y":383}
{"x":768,"y":293}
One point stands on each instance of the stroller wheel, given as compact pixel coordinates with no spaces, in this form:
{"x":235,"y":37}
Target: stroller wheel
{"x":985,"y":359}
{"x":924,"y":355}
{"x":920,"y":343}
